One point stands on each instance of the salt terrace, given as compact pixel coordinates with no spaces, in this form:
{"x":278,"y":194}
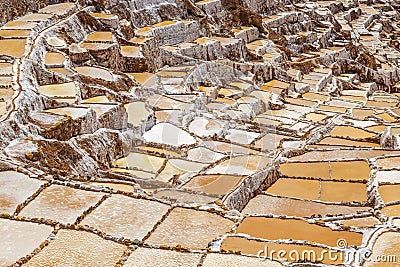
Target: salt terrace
{"x":199,"y":133}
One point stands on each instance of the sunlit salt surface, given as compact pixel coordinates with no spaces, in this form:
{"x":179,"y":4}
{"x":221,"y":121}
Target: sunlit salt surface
{"x":166,"y":133}
{"x":391,"y":211}
{"x":137,"y":112}
{"x":62,"y":71}
{"x":56,"y":42}
{"x":253,"y":247}
{"x":389,"y":193}
{"x":131,"y":51}
{"x":15,"y":187}
{"x":297,"y":230}
{"x":282,"y":206}
{"x":54,"y":59}
{"x":224,"y":260}
{"x":145,"y":78}
{"x":6,"y":82}
{"x":60,"y":90}
{"x":340,"y":142}
{"x":6,"y":94}
{"x":96,"y":73}
{"x":213,"y":184}
{"x":336,"y":170}
{"x":35,"y":17}
{"x":19,"y":239}
{"x":319,"y":190}
{"x":116,"y":186}
{"x":96,"y":99}
{"x":189,"y":228}
{"x":78,"y":248}
{"x":190,"y":145}
{"x":241,"y":136}
{"x":12,"y":47}
{"x":100,"y":37}
{"x":74,"y":113}
{"x":6,"y":69}
{"x":204,"y":155}
{"x":227,"y":147}
{"x":57,"y":9}
{"x":103,"y":15}
{"x":19,"y":25}
{"x":351,"y":132}
{"x":61,"y":203}
{"x":365,"y":222}
{"x":388,"y":162}
{"x":121,"y":216}
{"x":177,"y":167}
{"x":137,"y":173}
{"x":3,"y":108}
{"x":296,"y":188}
{"x":162,"y":258}
{"x":175,"y":195}
{"x":343,"y":192}
{"x":163,"y":102}
{"x":141,"y":161}
{"x":268,"y":142}
{"x":241,"y":165}
{"x":14,"y":34}
{"x":387,"y":244}
{"x":204,"y":127}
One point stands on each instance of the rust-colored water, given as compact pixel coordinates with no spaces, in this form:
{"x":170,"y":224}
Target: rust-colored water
{"x":18,"y":34}
{"x":296,"y":188}
{"x":196,"y":229}
{"x":389,"y":193}
{"x":102,"y":15}
{"x":306,"y":169}
{"x":12,"y":47}
{"x":343,"y":192}
{"x":52,"y":58}
{"x":350,"y":170}
{"x":74,"y":113}
{"x":130,"y":51}
{"x":391,"y":211}
{"x":61,"y":203}
{"x":213,"y":184}
{"x":333,"y":141}
{"x":297,"y":230}
{"x":105,"y":37}
{"x":351,"y":132}
{"x":140,"y":161}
